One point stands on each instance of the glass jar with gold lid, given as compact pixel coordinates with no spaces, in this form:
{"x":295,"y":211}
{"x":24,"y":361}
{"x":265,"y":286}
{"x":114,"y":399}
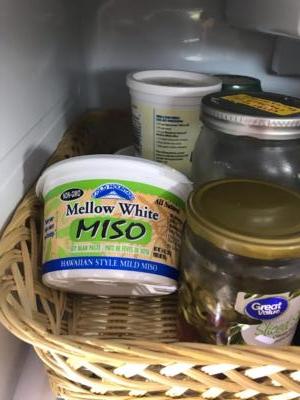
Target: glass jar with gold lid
{"x":240,"y":266}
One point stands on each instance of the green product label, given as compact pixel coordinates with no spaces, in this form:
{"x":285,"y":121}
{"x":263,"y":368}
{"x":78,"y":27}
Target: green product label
{"x":106,"y":229}
{"x":112,"y":223}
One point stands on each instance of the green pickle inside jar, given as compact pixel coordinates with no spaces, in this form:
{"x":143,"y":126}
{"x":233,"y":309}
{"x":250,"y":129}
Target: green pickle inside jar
{"x":240,"y":265}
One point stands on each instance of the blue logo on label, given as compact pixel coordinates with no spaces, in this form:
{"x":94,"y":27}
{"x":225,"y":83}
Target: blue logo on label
{"x":268,"y":308}
{"x":113,"y":191}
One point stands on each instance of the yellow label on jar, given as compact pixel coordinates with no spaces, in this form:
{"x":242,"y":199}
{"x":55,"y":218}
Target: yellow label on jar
{"x":273,"y":107}
{"x":112,"y":224}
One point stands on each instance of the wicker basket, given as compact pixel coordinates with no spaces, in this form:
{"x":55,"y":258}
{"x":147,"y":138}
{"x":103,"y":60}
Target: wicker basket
{"x":116,"y":348}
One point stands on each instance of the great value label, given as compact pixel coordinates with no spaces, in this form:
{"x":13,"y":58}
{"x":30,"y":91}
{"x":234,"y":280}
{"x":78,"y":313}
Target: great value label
{"x":272,"y":319}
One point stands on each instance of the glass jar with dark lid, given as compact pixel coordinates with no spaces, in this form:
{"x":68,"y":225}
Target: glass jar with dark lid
{"x":249,"y":135}
{"x":239,"y":83}
{"x":240,"y":265}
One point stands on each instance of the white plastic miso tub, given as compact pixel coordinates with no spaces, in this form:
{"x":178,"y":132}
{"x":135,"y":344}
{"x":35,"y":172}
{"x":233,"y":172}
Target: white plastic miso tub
{"x":112,"y":225}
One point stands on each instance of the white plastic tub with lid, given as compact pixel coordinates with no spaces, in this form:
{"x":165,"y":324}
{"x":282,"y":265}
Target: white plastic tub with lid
{"x":112,"y":225}
{"x":166,"y":107}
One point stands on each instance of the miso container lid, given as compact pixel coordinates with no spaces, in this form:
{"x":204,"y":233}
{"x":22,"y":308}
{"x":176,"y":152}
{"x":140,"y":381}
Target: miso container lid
{"x":262,"y":115}
{"x":173,"y":83}
{"x":246,"y":217}
{"x":239,"y":83}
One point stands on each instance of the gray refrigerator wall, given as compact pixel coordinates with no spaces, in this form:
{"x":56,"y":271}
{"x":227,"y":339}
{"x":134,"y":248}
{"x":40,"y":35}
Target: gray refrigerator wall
{"x":124,"y":35}
{"x":60,"y":57}
{"x":41,"y":66}
{"x":40,"y":72}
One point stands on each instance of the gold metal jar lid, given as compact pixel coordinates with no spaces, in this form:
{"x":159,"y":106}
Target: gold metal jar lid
{"x":246,"y":217}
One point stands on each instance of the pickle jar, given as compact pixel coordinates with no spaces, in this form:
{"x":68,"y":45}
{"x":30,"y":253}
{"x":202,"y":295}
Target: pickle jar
{"x":240,"y":265}
{"x":249,"y":135}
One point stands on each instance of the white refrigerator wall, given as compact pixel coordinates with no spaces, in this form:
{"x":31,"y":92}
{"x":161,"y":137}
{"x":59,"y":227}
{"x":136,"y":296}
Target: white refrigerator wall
{"x":124,"y":35}
{"x":40,"y":73}
{"x":59,"y":57}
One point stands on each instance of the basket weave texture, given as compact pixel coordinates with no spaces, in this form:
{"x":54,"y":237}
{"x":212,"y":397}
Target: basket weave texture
{"x":121,"y":348}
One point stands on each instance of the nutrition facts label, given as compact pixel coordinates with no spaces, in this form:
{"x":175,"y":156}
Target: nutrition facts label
{"x":166,"y":135}
{"x":137,"y":125}
{"x":171,"y":138}
{"x":175,"y":134}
